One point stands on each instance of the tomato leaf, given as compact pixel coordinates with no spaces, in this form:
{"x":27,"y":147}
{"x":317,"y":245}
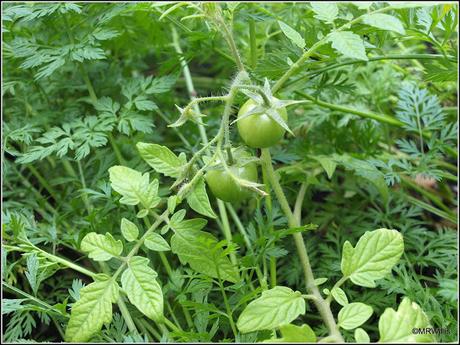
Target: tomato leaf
{"x":101,"y":247}
{"x":198,"y":200}
{"x":276,"y":307}
{"x":328,"y":164}
{"x":297,"y":334}
{"x":129,"y":230}
{"x":161,"y":159}
{"x":203,"y":253}
{"x":138,"y":281}
{"x":326,"y":12}
{"x":384,"y":21}
{"x":92,"y":310}
{"x":292,"y":34}
{"x":361,"y":336}
{"x":134,"y":187}
{"x":373,"y":257}
{"x":294,"y":334}
{"x":354,"y":315}
{"x":339,"y":296}
{"x":156,"y":242}
{"x":348,"y":44}
{"x":398,"y":326}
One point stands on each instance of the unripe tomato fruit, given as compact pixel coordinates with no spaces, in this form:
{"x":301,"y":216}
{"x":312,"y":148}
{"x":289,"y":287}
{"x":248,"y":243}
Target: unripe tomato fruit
{"x":225,"y":188}
{"x":259,"y":130}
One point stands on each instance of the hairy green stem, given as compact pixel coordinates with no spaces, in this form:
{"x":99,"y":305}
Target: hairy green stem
{"x":295,"y":66}
{"x":126,"y":315}
{"x":171,"y":325}
{"x":227,"y":232}
{"x":240,"y":226}
{"x":299,"y":201}
{"x":43,"y":182}
{"x":371,"y":59}
{"x":83,"y":184}
{"x":336,"y":285}
{"x":227,"y":305}
{"x":140,"y":242}
{"x":228,"y":35}
{"x":225,"y":125}
{"x":426,"y":193}
{"x":204,"y":138}
{"x":268,"y":203}
{"x":66,"y":263}
{"x":150,"y":328}
{"x":205,"y":148}
{"x":320,"y":303}
{"x":378,"y":117}
{"x":33,"y":298}
{"x":252,"y":43}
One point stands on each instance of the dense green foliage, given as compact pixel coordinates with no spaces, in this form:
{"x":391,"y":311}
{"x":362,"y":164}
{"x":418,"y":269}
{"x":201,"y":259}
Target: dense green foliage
{"x":113,"y":113}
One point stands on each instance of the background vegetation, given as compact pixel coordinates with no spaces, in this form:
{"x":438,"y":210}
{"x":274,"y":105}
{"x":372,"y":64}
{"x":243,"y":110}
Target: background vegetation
{"x":375,"y":144}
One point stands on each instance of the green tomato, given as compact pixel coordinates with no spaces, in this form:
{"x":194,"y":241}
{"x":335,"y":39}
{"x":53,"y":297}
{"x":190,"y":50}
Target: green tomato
{"x":259,"y":130}
{"x":225,"y":188}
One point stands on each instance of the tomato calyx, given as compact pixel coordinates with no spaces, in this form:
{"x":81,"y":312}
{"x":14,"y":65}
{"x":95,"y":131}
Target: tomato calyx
{"x":234,"y":182}
{"x":228,"y":150}
{"x":187,"y":114}
{"x":240,"y":158}
{"x":266,"y":103}
{"x":231,"y":183}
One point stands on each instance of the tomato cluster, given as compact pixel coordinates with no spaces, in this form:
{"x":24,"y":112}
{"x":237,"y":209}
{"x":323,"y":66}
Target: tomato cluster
{"x":257,"y":131}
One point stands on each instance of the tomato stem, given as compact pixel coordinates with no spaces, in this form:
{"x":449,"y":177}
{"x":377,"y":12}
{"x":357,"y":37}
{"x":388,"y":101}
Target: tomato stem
{"x":227,"y":232}
{"x":126,"y":315}
{"x":253,"y":42}
{"x":204,"y":139}
{"x":229,"y":155}
{"x":336,"y":285}
{"x":228,"y":35}
{"x":227,"y":305}
{"x":293,"y":221}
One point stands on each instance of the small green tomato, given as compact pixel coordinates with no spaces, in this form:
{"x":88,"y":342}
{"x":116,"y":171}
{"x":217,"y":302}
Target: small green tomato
{"x":224,"y":187}
{"x":259,"y":130}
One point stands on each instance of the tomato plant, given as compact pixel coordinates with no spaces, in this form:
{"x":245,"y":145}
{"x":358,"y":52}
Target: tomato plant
{"x":214,"y":172}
